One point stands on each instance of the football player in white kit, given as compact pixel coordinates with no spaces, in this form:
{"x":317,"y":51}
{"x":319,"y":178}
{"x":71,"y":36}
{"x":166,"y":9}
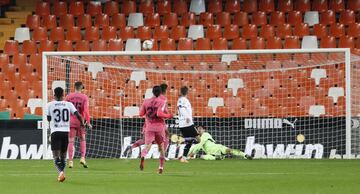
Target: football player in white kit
{"x":58,"y":115}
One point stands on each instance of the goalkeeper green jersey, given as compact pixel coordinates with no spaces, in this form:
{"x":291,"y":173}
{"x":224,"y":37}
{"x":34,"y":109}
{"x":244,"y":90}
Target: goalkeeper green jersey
{"x":208,"y":145}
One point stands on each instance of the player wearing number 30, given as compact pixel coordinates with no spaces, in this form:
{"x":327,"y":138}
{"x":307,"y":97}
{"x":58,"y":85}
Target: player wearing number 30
{"x":58,"y":115}
{"x":81,"y":102}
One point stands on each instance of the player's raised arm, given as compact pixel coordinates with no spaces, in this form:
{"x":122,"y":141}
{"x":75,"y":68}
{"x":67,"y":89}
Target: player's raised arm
{"x":160,"y":113}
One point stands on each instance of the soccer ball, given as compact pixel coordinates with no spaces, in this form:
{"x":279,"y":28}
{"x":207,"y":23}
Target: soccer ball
{"x":147,"y":44}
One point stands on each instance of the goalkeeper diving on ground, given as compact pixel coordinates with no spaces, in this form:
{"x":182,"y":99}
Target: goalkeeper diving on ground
{"x":213,"y":151}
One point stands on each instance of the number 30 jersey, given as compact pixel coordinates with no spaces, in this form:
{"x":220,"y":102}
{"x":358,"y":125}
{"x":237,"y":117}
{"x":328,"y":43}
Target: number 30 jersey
{"x":59,"y":111}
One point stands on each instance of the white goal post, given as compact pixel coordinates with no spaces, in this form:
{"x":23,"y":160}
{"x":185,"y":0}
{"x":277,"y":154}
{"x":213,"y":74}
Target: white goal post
{"x":283,"y":103}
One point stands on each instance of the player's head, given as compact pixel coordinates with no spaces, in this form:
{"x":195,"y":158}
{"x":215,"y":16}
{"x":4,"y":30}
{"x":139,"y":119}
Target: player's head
{"x":163,"y":88}
{"x":184,"y":91}
{"x":200,"y":130}
{"x":58,"y":93}
{"x":78,"y":86}
{"x":156,"y":91}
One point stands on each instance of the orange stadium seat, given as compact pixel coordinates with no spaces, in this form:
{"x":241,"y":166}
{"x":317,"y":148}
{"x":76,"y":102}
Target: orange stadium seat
{"x":178,"y":32}
{"x":294,"y":17}
{"x":49,"y":21}
{"x":320,"y":5}
{"x":259,"y":18}
{"x":337,"y":30}
{"x":60,"y":8}
{"x":327,"y":17}
{"x":167,"y":44}
{"x":36,"y":63}
{"x":99,"y":45}
{"x":161,"y":32}
{"x":144,"y":32}
{"x":46,"y":45}
{"x":33,"y":21}
{"x":203,"y":44}
{"x":118,"y":20}
{"x":232,"y":6}
{"x":82,"y":45}
{"x":274,"y":43}
{"x":128,"y":7}
{"x":215,"y":6}
{"x":249,"y":31}
{"x":180,"y":7}
{"x":84,"y":21}
{"x":146,"y":7}
{"x":126,"y":33}
{"x":185,"y":44}
{"x":116,"y":45}
{"x":267,"y":31}
{"x":206,"y":19}
{"x":249,"y":6}
{"x":320,"y":30}
{"x":40,"y":33}
{"x":241,"y":18}
{"x":170,"y":19}
{"x":353,"y":5}
{"x":187,"y":19}
{"x":19,"y":60}
{"x":11,"y":47}
{"x":213,"y":31}
{"x":92,"y":33}
{"x":301,"y":30}
{"x":239,"y":44}
{"x":94,"y":8}
{"x":285,"y":5}
{"x":42,"y":8}
{"x":353,"y":30}
{"x":257,"y":43}
{"x":108,"y":32}
{"x":302,"y":5}
{"x":337,"y":5}
{"x":277,"y":18}
{"x":231,"y":31}
{"x":73,"y":33}
{"x":346,"y":42}
{"x":284,"y":30}
{"x":111,"y":8}
{"x":347,"y":17}
{"x":29,"y":47}
{"x":223,"y":18}
{"x":267,"y":6}
{"x":152,"y":20}
{"x":64,"y":45}
{"x":163,"y":7}
{"x":102,"y":20}
{"x":76,"y":8}
{"x":220,"y":44}
{"x":67,"y":21}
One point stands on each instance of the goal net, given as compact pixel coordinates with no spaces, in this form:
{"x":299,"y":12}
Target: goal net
{"x":269,"y":103}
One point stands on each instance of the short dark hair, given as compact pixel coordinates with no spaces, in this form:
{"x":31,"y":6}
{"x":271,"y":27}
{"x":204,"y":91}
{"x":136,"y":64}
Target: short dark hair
{"x":78,"y":85}
{"x":156,"y":91}
{"x":58,"y":92}
{"x":163,"y":88}
{"x":184,"y":90}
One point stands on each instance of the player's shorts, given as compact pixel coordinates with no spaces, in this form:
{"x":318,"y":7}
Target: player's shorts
{"x":77,"y":132}
{"x":151,"y":136}
{"x":218,"y":150}
{"x":59,"y":141}
{"x":189,"y":131}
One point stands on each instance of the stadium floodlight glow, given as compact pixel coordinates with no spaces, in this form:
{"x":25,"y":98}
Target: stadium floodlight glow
{"x":283,"y":103}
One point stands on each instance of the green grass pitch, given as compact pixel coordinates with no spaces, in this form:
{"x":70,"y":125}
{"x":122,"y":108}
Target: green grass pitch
{"x":227,"y":176}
